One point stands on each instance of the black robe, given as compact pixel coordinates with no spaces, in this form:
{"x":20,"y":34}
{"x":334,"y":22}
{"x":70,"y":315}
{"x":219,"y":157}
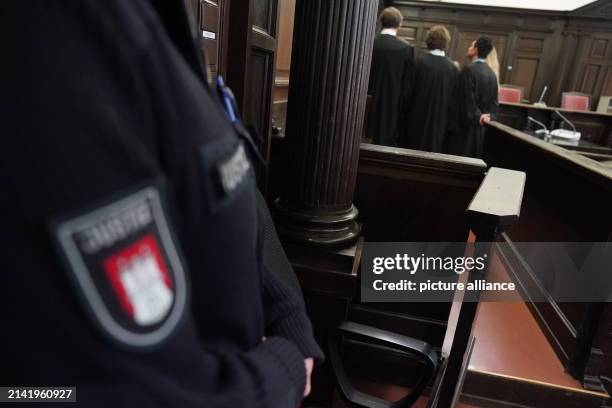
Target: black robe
{"x":477,"y":95}
{"x":432,"y":96}
{"x":392,"y":59}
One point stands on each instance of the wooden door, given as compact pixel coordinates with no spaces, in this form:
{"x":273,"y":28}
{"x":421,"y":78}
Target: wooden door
{"x":211,"y":17}
{"x":525,"y":62}
{"x":251,"y":53}
{"x":593,"y":73}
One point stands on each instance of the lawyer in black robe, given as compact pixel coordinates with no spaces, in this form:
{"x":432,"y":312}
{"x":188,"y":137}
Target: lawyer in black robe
{"x":392,"y":60}
{"x":432,"y":96}
{"x":477,"y":99}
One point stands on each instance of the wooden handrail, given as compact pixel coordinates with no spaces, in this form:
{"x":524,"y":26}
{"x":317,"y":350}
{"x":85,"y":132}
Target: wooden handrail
{"x":495,"y":207}
{"x":497,"y":202}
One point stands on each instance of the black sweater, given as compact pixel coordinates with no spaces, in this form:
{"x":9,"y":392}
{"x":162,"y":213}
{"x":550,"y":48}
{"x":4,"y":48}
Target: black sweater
{"x":100,"y":109}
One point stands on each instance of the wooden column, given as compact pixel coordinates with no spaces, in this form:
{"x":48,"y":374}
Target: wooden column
{"x":332,"y":50}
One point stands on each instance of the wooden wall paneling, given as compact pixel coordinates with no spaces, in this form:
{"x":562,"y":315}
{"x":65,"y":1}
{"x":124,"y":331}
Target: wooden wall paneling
{"x":606,"y":89}
{"x":585,"y":69}
{"x":409,"y":31}
{"x":549,"y":65}
{"x":210,"y":23}
{"x":224,"y":25}
{"x":250,"y":68}
{"x":239,"y":49}
{"x":453,"y":51}
{"x":526,"y":61}
{"x":284,"y":45}
{"x":512,"y":116}
{"x":506,"y":65}
{"x":562,"y":66}
{"x":283,"y":65}
{"x":590,"y":78}
{"x":255,"y":109}
{"x":415,"y":33}
{"x":263,"y":52}
{"x":600,"y":48}
{"x":598,"y":64}
{"x":524,"y":70}
{"x":411,"y":196}
{"x":211,"y":26}
{"x":592,"y":56}
{"x":566,"y":51}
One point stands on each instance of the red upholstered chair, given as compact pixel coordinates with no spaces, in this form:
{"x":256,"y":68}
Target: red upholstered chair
{"x":510,"y":94}
{"x":576,"y":101}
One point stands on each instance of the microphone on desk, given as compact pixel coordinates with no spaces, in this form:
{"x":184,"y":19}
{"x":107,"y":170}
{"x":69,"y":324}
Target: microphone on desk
{"x":537,"y":122}
{"x":566,"y":120}
{"x":566,"y":134}
{"x":540,"y":101}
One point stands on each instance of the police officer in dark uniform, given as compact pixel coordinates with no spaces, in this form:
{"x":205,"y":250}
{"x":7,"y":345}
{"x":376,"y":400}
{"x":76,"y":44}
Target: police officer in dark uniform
{"x":131,"y":240}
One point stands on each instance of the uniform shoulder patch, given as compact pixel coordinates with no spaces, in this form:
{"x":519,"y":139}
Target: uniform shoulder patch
{"x":126,"y":267}
{"x":227,"y":171}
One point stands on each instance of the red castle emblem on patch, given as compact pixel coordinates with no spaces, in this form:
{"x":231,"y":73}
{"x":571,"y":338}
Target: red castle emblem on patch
{"x":140,"y":279}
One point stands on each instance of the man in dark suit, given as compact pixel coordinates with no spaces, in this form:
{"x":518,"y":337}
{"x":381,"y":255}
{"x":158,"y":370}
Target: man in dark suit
{"x":477,"y":100}
{"x":392,"y":60}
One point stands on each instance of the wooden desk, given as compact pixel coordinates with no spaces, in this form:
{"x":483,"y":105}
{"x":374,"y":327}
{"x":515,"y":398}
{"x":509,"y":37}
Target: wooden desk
{"x":581,"y":146}
{"x":595,"y":127}
{"x":568,"y":198}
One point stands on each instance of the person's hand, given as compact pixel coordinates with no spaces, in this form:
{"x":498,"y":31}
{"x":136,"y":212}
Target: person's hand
{"x":309,"y":363}
{"x":485,"y":118}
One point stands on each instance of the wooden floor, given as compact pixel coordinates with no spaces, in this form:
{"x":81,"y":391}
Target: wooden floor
{"x":511,"y":349}
{"x":510,"y":343}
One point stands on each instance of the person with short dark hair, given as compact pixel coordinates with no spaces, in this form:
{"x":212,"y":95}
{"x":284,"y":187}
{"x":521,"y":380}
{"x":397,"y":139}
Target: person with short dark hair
{"x":432,"y":96}
{"x":481,"y":48}
{"x":477,"y":102}
{"x":392,"y":59}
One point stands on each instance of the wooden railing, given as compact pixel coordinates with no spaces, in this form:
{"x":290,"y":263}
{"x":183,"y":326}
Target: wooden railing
{"x":568,"y":198}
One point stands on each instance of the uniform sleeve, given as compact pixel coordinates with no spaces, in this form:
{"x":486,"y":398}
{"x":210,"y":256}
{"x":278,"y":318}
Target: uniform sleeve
{"x":272,"y":375}
{"x":286,"y":316}
{"x":92,"y":137}
{"x":285,"y":312}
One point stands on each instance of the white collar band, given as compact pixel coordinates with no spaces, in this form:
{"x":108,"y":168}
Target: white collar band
{"x":389,"y":31}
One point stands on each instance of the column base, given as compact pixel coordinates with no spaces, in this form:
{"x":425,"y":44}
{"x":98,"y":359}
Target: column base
{"x":326,"y":229}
